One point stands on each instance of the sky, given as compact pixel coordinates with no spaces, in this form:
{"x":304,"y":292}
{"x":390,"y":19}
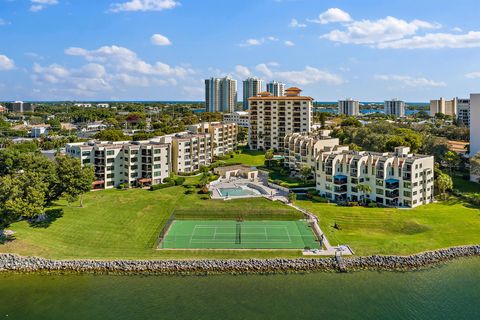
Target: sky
{"x":370,"y":50}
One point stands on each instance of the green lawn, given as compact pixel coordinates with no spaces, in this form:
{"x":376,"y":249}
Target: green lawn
{"x":248,"y":157}
{"x":398,"y":231}
{"x":465,"y":186}
{"x":125,"y":224}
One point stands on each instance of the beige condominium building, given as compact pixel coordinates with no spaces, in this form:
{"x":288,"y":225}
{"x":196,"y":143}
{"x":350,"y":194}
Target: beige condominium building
{"x":224,"y":136}
{"x":447,"y":107}
{"x":302,"y":148}
{"x":190,"y":151}
{"x":271,"y":118}
{"x":398,"y":179}
{"x":131,"y":163}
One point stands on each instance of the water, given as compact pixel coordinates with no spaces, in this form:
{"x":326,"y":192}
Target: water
{"x":368,"y":111}
{"x":451,"y":291}
{"x":236,"y":192}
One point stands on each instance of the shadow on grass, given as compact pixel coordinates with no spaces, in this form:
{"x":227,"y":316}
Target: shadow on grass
{"x":50,"y":216}
{"x":6,"y":239}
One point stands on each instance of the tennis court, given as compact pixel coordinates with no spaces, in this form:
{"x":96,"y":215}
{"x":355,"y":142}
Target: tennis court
{"x":230,"y":234}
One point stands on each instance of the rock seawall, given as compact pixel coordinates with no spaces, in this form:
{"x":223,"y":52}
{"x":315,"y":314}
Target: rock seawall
{"x":16,"y":263}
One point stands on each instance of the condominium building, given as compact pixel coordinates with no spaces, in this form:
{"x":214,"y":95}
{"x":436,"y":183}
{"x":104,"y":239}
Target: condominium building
{"x":349,"y":107}
{"x":220,"y":94}
{"x":131,"y":163}
{"x":190,"y":151}
{"x":302,"y":148}
{"x":241,"y":118}
{"x":251,"y":87}
{"x":394,"y":107}
{"x":19,"y":106}
{"x":276,"y":89}
{"x":446,"y":107}
{"x":474,"y":129}
{"x":463,"y":111}
{"x":271,"y":118}
{"x":223,"y":136}
{"x":394,"y":179}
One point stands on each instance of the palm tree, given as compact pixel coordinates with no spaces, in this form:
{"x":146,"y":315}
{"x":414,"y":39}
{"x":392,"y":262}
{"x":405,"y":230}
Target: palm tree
{"x":305,"y":172}
{"x":269,"y":156}
{"x":364,"y":189}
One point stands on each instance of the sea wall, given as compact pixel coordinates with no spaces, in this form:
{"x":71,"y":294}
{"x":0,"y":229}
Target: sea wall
{"x":16,"y":263}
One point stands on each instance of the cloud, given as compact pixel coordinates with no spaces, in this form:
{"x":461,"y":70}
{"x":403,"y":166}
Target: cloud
{"x":144,"y":5}
{"x":473,"y":75}
{"x":306,"y":76}
{"x":242,"y":71}
{"x":457,"y":29}
{"x":257,"y":42}
{"x":288,"y":43}
{"x":4,"y":22}
{"x":295,"y":24}
{"x":378,"y":31}
{"x":6,"y":63}
{"x":332,"y":15}
{"x":435,"y":41}
{"x":411,"y":81}
{"x":160,"y":40}
{"x":39,"y":5}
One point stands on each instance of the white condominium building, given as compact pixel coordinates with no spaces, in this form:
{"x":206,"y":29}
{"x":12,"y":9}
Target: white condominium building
{"x":220,"y":94}
{"x":271,"y":118}
{"x":463,"y":111}
{"x":223,"y":136}
{"x":394,"y":107}
{"x":447,"y":107}
{"x":349,"y":107}
{"x":251,"y":87}
{"x":131,"y":163}
{"x":302,"y":148}
{"x":190,"y":151}
{"x":241,"y":118}
{"x":394,"y":179}
{"x":276,"y":89}
{"x":474,"y":129}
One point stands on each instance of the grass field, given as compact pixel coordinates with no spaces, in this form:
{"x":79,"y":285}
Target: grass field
{"x":230,"y":234}
{"x":248,"y":157}
{"x":398,"y":231}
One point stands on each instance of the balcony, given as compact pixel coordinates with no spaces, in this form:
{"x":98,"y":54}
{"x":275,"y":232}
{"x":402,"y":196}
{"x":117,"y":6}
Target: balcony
{"x":392,"y":184}
{"x":392,"y":194}
{"x":340,"y":179}
{"x":341,"y":189}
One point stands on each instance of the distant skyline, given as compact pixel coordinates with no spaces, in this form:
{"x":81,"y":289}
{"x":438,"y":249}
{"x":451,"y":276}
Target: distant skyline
{"x":163,"y":50}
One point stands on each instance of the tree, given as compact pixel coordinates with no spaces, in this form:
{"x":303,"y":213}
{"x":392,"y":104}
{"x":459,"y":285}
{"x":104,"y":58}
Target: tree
{"x":74,"y":180}
{"x":475,"y":165}
{"x":364,"y":189}
{"x":351,"y":122}
{"x":21,"y":195}
{"x":111,"y":135}
{"x":269,"y":156}
{"x":242,"y":135}
{"x":305,"y":172}
{"x":444,"y":183}
{"x":451,"y":160}
{"x":292,"y":196}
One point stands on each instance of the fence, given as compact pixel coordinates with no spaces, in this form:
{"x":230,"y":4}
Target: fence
{"x":164,"y":230}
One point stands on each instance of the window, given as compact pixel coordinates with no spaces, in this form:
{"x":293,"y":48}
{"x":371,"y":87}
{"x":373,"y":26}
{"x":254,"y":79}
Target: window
{"x":86,"y":153}
{"x":110,"y":152}
{"x":110,"y":160}
{"x":157,"y":151}
{"x":86,"y":161}
{"x":110,"y":175}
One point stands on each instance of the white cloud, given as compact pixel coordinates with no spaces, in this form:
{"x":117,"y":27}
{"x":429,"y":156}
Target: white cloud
{"x":38,"y":5}
{"x":377,"y":31}
{"x":457,"y":29}
{"x":242,"y":71}
{"x":411,"y":81}
{"x":257,"y":42}
{"x":6,"y":63}
{"x":295,"y":24}
{"x":144,"y":5}
{"x":332,"y":15}
{"x":160,"y":40}
{"x":4,"y":22}
{"x":473,"y":75}
{"x":289,"y":43}
{"x":435,"y":41}
{"x":306,"y":76}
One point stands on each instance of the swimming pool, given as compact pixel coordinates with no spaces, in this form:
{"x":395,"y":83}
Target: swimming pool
{"x":238,"y":192}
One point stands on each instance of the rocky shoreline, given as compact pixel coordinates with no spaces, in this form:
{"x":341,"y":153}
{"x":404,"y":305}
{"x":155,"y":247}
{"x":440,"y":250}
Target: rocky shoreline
{"x":16,"y":263}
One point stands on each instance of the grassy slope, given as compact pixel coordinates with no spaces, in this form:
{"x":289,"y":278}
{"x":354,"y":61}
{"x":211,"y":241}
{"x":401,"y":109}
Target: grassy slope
{"x":125,"y":224}
{"x":248,"y":157}
{"x":399,"y":231}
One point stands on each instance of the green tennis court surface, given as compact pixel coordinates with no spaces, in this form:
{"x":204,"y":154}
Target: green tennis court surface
{"x":229,"y":234}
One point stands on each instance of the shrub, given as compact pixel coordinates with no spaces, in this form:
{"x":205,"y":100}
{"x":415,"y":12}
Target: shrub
{"x":179,"y":181}
{"x":189,"y":191}
{"x":122,"y":186}
{"x":203,"y":190}
{"x":319,"y":199}
{"x":372,"y":205}
{"x":162,"y":186}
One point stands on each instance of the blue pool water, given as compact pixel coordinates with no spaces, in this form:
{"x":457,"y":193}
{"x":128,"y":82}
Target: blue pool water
{"x":236,"y":192}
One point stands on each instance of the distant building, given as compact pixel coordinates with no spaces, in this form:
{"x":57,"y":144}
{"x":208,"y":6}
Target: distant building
{"x":271,"y":118}
{"x":474,"y":128}
{"x":103,"y":105}
{"x":394,"y":107}
{"x":276,"y":89}
{"x":446,"y":107}
{"x":223,"y":136}
{"x":251,"y":87}
{"x":190,"y":151}
{"x":83,"y":105}
{"x":19,"y":106}
{"x":2,"y":109}
{"x":220,"y":94}
{"x":241,"y":118}
{"x":36,"y":132}
{"x":463,"y":111}
{"x":349,"y":107}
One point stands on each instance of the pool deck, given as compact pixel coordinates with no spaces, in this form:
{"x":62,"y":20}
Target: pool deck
{"x":258,"y":184}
